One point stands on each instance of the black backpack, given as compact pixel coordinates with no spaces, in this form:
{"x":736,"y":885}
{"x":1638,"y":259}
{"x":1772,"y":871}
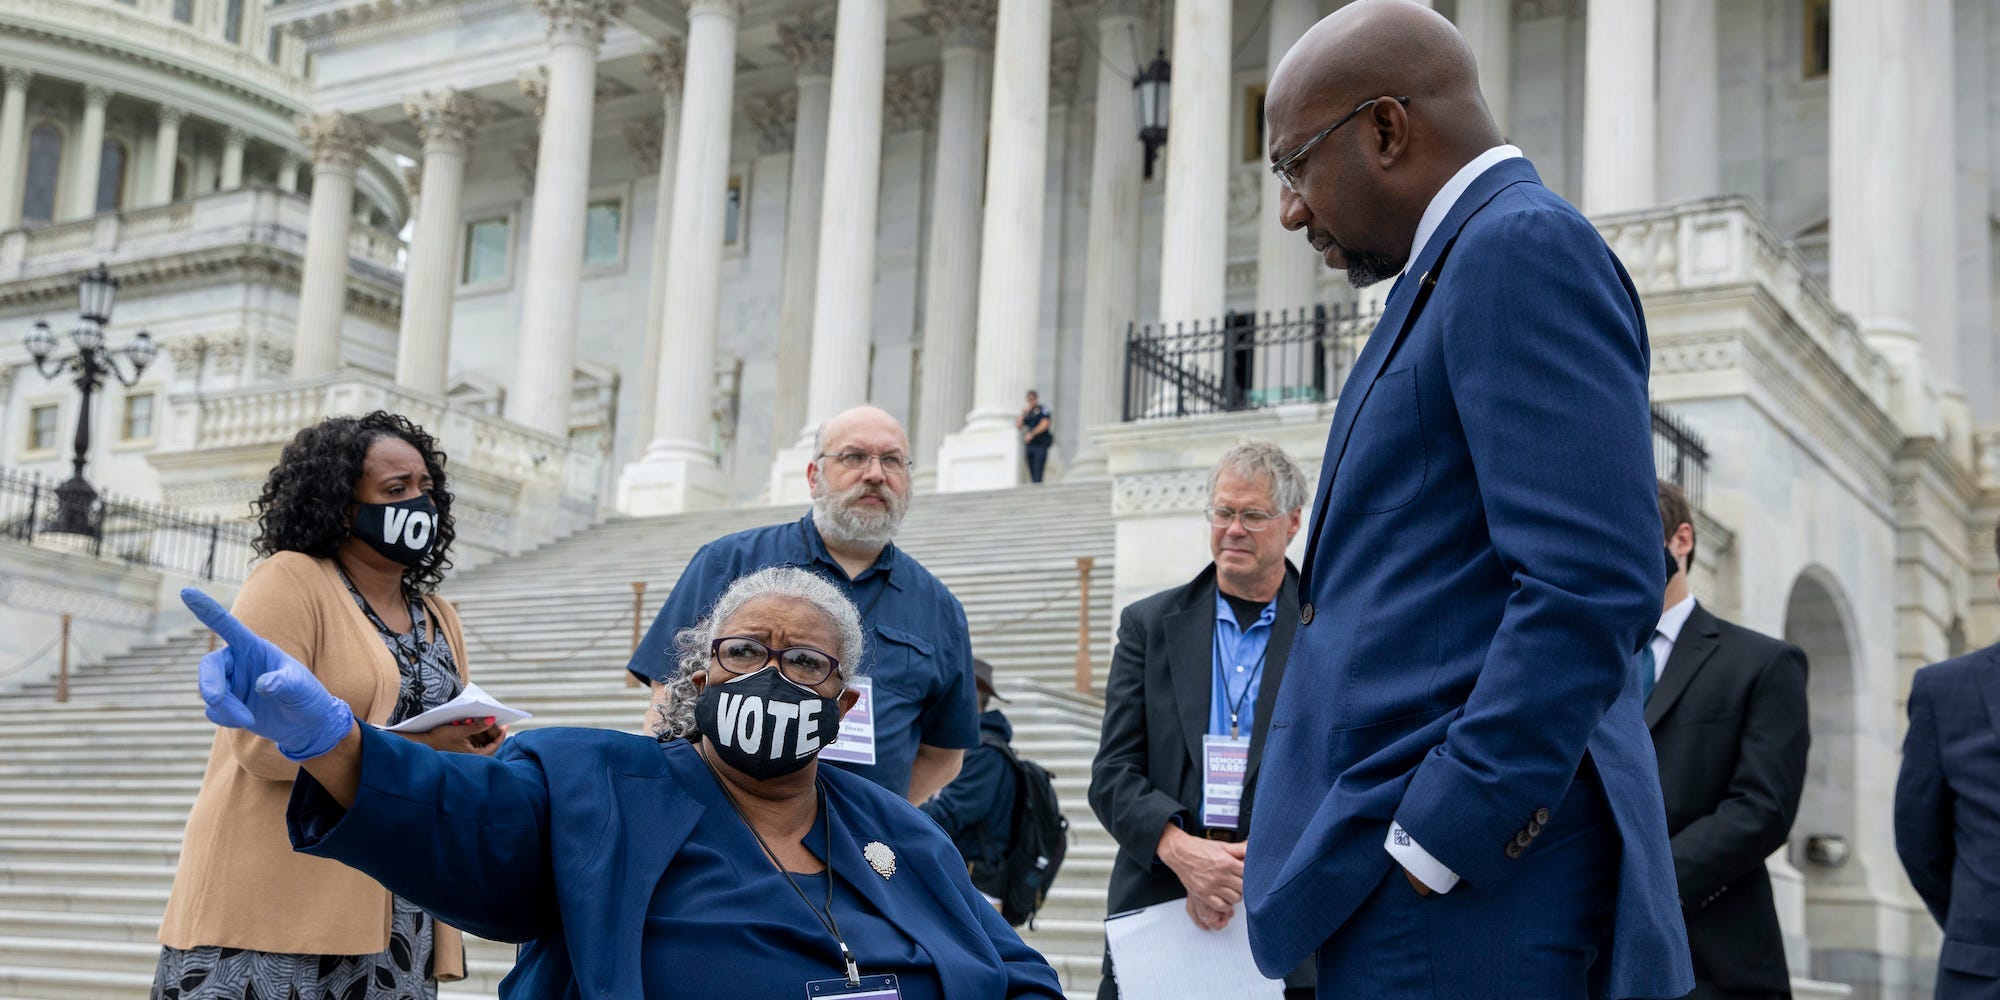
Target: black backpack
{"x":1039,"y":839}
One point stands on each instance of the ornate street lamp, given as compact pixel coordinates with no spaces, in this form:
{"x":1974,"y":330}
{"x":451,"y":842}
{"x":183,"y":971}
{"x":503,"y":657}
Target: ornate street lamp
{"x":1149,"y":91}
{"x":96,"y":291}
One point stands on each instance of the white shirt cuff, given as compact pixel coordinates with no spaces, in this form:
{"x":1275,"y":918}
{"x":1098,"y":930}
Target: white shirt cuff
{"x":1428,"y":870}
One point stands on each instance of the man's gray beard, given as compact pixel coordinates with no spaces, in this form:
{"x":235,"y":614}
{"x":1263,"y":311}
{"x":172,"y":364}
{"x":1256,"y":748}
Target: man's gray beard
{"x":838,"y":520}
{"x":1364,"y":269}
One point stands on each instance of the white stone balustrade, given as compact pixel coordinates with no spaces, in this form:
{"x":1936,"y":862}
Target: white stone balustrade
{"x":69,"y":19}
{"x":506,"y":479}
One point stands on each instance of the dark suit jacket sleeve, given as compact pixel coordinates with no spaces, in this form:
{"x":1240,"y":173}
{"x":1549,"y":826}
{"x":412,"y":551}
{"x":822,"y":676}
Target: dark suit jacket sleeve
{"x":1122,"y":794}
{"x":1547,"y":360}
{"x":969,"y":797}
{"x":1924,"y":804}
{"x":1755,"y":815}
{"x":460,"y":835}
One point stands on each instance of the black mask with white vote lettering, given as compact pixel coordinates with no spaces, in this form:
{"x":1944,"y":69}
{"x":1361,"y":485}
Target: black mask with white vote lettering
{"x":764,"y":724}
{"x":404,"y":532}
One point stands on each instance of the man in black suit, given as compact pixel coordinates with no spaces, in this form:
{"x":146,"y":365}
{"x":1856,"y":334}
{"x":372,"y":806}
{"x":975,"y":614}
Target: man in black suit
{"x":1948,"y":815}
{"x":1727,"y":709}
{"x":1192,"y":682}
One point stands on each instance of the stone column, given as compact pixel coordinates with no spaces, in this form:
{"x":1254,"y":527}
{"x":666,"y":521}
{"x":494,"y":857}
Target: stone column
{"x":951,"y":258}
{"x":678,"y":471}
{"x":445,"y":119}
{"x":1111,"y":252}
{"x":89,"y":153}
{"x":1873,"y":248}
{"x":1618,"y":106}
{"x":13,"y":143}
{"x":1488,"y":27}
{"x":844,"y":289}
{"x":338,"y":142}
{"x":807,"y":40}
{"x":1937,"y":97}
{"x":1194,"y":234}
{"x":1690,"y":130}
{"x":232,"y":159}
{"x":1287,"y":271}
{"x":288,"y":173}
{"x":1975,"y":28}
{"x":657,"y":144}
{"x":553,"y":273}
{"x":166,"y":152}
{"x":986,"y":454}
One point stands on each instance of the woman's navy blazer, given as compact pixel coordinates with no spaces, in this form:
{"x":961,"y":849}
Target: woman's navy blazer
{"x":559,"y":840}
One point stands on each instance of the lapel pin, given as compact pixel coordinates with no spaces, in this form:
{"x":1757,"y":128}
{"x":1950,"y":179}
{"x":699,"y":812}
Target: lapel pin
{"x":880,"y":858}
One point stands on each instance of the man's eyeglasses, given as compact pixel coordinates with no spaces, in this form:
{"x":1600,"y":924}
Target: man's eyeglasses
{"x":1282,"y":166}
{"x":1253,"y":520}
{"x":740,"y":654}
{"x":893,"y":464}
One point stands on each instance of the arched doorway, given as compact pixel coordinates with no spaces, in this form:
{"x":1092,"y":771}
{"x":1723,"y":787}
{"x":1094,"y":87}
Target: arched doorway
{"x":1825,"y":835}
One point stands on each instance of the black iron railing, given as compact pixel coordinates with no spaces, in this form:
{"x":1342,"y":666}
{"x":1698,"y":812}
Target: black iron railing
{"x":133,"y":531}
{"x":1678,"y":455}
{"x":1238,"y":363}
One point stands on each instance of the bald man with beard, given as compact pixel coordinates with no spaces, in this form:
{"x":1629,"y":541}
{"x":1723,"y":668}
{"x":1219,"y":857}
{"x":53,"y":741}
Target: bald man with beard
{"x":1472,"y":809}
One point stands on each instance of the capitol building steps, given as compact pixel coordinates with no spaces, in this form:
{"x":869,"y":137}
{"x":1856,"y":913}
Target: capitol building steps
{"x":94,"y":794}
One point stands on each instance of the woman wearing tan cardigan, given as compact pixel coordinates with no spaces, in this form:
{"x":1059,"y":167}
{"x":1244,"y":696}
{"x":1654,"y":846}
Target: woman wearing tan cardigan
{"x":355,"y":524}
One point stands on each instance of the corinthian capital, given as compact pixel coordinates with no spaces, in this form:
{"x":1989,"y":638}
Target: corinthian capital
{"x":910,"y":99}
{"x":579,"y":20}
{"x":16,"y":76}
{"x":336,"y":139}
{"x":644,"y":137}
{"x":1065,"y":60}
{"x":446,"y":116}
{"x":773,"y":115}
{"x":807,"y":40}
{"x":962,"y":23}
{"x":667,"y":65}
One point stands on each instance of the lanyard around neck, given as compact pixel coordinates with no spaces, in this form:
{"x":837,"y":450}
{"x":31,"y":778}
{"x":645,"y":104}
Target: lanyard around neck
{"x":825,"y":918}
{"x":1237,"y":699}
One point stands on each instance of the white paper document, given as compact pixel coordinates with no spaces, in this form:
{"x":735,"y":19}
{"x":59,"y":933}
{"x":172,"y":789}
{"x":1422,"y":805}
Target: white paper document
{"x":1160,"y":951}
{"x":471,"y":703}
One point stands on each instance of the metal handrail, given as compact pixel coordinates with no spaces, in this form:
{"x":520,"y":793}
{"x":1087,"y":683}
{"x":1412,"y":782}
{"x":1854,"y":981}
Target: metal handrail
{"x":1240,"y":363}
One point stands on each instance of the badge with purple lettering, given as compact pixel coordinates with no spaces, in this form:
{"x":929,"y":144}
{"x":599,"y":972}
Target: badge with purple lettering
{"x":871,"y":988}
{"x":856,"y":744}
{"x":1225,"y":763}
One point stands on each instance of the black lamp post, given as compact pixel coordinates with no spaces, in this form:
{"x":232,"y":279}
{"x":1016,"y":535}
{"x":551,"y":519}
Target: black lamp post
{"x":1150,"y":92}
{"x":95,"y":293}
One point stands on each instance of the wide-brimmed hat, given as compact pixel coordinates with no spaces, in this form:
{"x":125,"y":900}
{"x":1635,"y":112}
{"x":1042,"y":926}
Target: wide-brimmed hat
{"x":982,"y":675}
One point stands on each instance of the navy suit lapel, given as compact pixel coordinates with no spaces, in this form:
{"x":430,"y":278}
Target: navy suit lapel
{"x":1990,"y":686}
{"x":656,"y":815}
{"x":1282,"y":629}
{"x":1699,"y":639}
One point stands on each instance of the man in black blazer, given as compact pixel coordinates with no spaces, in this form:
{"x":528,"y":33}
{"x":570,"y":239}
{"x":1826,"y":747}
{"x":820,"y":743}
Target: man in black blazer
{"x":1948,"y":815}
{"x":1196,"y":670}
{"x":1727,"y":710}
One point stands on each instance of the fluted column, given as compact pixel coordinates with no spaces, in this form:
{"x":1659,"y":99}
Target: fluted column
{"x":89,"y":154}
{"x":1111,"y":254}
{"x":951,"y":257}
{"x":1488,"y":27}
{"x":986,"y":454}
{"x":1872,"y":246}
{"x":166,"y":151}
{"x":446,"y":120}
{"x":1287,"y":277}
{"x":1937,"y":96}
{"x":338,"y":142}
{"x":1618,"y":106}
{"x":232,"y":159}
{"x":1194,"y":235}
{"x":1690,"y":130}
{"x":13,"y":142}
{"x":288,"y":173}
{"x":844,"y":289}
{"x":546,"y":365}
{"x":807,"y":40}
{"x":657,"y":144}
{"x":678,"y":471}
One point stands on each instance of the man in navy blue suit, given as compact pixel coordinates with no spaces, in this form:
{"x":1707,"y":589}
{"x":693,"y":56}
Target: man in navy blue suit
{"x":1948,"y":815}
{"x":1472,"y":807}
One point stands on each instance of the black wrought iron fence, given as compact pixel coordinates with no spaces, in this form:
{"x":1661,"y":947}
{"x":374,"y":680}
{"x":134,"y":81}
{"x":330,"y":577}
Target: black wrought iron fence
{"x":138,"y":532}
{"x":1678,"y":455}
{"x":1237,"y":363}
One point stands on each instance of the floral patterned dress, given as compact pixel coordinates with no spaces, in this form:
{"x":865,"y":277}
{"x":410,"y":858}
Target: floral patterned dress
{"x":403,"y":972}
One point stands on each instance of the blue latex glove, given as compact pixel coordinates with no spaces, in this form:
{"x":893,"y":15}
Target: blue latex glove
{"x":251,"y":684}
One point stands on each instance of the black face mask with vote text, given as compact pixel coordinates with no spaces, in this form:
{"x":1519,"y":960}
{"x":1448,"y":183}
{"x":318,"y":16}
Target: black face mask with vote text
{"x":765,"y":725}
{"x":404,"y":532}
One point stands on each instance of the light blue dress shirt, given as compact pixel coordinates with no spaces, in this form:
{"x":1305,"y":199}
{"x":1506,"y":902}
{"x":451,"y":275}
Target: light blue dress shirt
{"x":1238,"y":658}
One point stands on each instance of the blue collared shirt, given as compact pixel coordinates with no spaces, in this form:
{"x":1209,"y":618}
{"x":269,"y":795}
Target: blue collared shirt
{"x":919,"y":650}
{"x":1238,"y":655}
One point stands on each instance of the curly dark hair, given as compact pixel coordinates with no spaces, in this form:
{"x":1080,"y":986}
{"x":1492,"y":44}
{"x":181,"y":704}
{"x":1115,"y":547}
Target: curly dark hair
{"x":304,"y":504}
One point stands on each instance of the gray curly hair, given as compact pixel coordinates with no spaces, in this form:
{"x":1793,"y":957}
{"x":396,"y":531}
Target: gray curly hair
{"x":1266,"y":461}
{"x":691,"y":645}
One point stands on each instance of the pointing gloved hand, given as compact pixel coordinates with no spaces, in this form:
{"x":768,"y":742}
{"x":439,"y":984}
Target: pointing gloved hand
{"x":251,"y":684}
